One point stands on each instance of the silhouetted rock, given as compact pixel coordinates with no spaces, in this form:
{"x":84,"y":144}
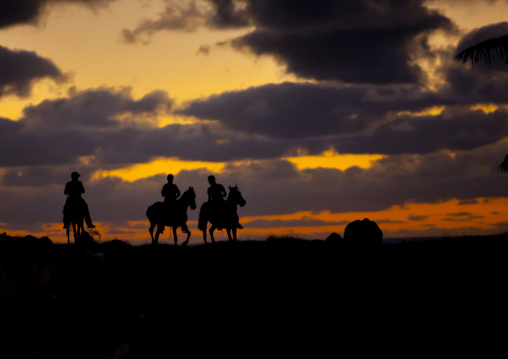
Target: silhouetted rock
{"x":27,"y":240}
{"x":334,"y":238}
{"x":116,"y":244}
{"x":364,"y":232}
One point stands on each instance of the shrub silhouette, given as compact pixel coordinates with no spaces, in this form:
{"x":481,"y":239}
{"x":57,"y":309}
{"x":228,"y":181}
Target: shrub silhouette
{"x":364,"y":232}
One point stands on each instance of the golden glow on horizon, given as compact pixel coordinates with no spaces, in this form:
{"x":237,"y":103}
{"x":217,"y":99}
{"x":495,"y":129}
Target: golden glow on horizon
{"x":482,"y":216}
{"x":433,"y":111}
{"x":87,"y":46}
{"x":332,"y":159}
{"x":158,"y":166}
{"x":449,"y":217}
{"x":329,"y":159}
{"x":485,"y":107}
{"x":173,"y":119}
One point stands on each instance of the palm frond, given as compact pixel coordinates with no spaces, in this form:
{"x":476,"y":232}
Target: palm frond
{"x":504,"y":165}
{"x":487,"y":51}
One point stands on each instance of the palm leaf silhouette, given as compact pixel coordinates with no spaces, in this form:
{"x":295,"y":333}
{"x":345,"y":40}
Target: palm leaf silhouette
{"x":504,"y":165}
{"x":487,"y":51}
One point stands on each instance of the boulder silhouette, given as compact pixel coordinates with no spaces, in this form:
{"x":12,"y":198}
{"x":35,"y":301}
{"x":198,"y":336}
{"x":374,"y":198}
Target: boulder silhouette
{"x":364,"y":232}
{"x":28,"y":240}
{"x":334,"y":238}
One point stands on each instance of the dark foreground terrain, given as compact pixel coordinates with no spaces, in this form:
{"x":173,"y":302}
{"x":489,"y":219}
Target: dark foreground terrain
{"x":274,"y":298}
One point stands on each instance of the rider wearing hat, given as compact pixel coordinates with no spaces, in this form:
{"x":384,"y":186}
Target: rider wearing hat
{"x":74,"y":202}
{"x":216,"y":200}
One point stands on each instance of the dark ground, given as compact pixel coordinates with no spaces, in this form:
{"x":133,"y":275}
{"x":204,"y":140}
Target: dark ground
{"x":281,"y":297}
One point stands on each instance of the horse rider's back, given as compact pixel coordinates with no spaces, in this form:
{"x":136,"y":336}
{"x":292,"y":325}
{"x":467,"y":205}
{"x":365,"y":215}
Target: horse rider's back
{"x":170,"y":192}
{"x":216,"y":193}
{"x":74,"y":189}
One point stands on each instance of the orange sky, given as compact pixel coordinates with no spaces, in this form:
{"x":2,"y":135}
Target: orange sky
{"x":87,"y":46}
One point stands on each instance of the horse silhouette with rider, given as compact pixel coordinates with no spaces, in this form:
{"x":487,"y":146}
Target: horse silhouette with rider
{"x":173,"y":214}
{"x":220,"y":212}
{"x":75,"y":210}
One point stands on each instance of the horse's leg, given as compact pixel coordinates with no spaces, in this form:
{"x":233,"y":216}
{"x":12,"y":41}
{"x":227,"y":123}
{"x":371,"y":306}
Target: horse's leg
{"x":152,"y":226}
{"x":204,"y":231}
{"x":68,"y":238}
{"x":212,"y":228}
{"x":234,"y":233}
{"x":188,"y":236}
{"x":80,"y":228}
{"x":174,"y":235}
{"x":228,"y":230}
{"x":74,"y":231}
{"x":157,"y":234}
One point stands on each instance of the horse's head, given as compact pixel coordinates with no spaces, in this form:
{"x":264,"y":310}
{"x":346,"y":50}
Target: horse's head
{"x":235,"y":196}
{"x":189,"y":198}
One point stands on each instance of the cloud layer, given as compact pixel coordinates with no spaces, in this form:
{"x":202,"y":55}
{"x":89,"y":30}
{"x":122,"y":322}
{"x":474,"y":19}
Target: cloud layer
{"x":20,"y":69}
{"x":29,"y":11}
{"x":351,"y":41}
{"x":367,"y":93}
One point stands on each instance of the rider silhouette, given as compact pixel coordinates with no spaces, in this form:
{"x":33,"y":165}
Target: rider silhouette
{"x":216,"y":193}
{"x":170,"y":191}
{"x":74,"y":201}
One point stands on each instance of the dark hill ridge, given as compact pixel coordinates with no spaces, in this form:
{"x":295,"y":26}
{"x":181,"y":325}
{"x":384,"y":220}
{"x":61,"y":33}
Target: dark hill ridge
{"x":74,"y":301}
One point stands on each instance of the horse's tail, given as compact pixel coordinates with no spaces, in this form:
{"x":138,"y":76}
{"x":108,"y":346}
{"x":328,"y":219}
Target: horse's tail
{"x":149,"y":212}
{"x":203,"y":217}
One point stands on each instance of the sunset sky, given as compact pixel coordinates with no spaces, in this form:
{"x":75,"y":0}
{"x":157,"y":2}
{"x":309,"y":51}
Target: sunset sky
{"x":322,"y":112}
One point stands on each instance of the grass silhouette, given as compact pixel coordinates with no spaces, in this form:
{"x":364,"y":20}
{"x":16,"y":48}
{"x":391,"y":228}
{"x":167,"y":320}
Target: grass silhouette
{"x":283,"y":296}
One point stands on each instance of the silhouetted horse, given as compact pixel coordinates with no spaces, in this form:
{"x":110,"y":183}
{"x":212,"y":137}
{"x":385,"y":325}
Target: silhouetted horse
{"x":75,"y":217}
{"x":225,"y":217}
{"x":160,"y":216}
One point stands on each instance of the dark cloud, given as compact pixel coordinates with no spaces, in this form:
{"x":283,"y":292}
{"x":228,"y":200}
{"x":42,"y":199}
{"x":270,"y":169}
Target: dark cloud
{"x":20,"y":69}
{"x":90,"y":123}
{"x":353,"y":55}
{"x":432,"y":178}
{"x":189,"y":16}
{"x":468,"y":201}
{"x":454,"y":129}
{"x":388,"y":221}
{"x":114,"y":130}
{"x":292,"y":110}
{"x":275,"y":186}
{"x":228,"y":14}
{"x":461,"y":219}
{"x":413,"y":217}
{"x":353,"y":41}
{"x":304,"y":222}
{"x":92,"y":110}
{"x":269,"y":186}
{"x":8,"y":127}
{"x":356,"y":119}
{"x":460,"y":214}
{"x":14,"y":12}
{"x":466,"y":85}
